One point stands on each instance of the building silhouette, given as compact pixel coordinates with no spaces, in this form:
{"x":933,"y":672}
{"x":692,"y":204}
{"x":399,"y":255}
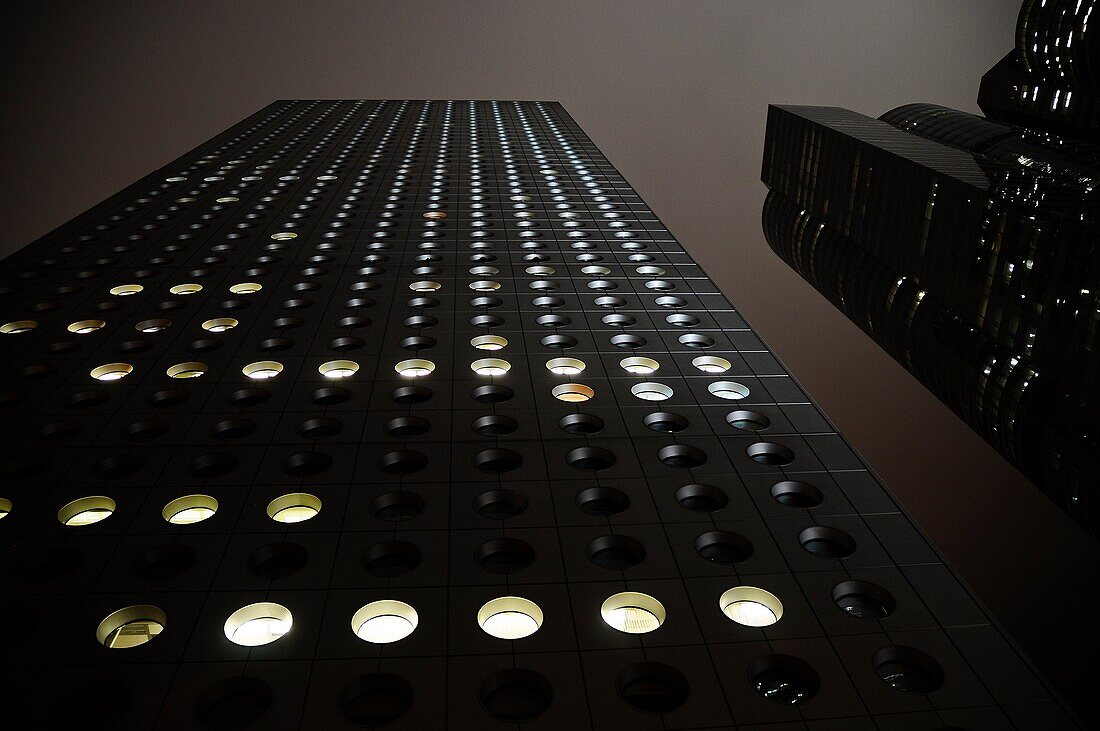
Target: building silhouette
{"x":967,"y":248}
{"x":412,"y":414}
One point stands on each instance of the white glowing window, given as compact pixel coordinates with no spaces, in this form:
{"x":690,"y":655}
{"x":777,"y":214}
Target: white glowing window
{"x":633,"y":612}
{"x":18,"y":326}
{"x":192,"y":369}
{"x":246,"y":288}
{"x":111,"y":371}
{"x":751,"y":606}
{"x":484,"y":271}
{"x":294,"y":507}
{"x":485,"y":286}
{"x":262,"y":370}
{"x":425,"y":286}
{"x":190,"y":509}
{"x":86,"y":510}
{"x":258,"y":624}
{"x":572,"y":392}
{"x":488,"y":342}
{"x":540,"y":271}
{"x":185,"y":289}
{"x":219,"y":324}
{"x":284,"y":236}
{"x":711,"y":364}
{"x":338,"y":368}
{"x":131,"y":626}
{"x":510,"y":617}
{"x":83,"y":327}
{"x":125,"y":290}
{"x":565,"y":366}
{"x":384,"y":621}
{"x":650,"y":391}
{"x":490,"y":366}
{"x":639,"y":366}
{"x":414,"y":367}
{"x":730,"y":390}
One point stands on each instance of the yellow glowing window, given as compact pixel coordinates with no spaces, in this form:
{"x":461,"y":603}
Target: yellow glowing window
{"x":246,"y":288}
{"x":711,"y":364}
{"x":490,"y":366}
{"x":488,"y":342}
{"x":294,"y":507}
{"x":191,"y":369}
{"x":18,"y":326}
{"x":572,"y":392}
{"x":83,"y":327}
{"x":131,"y":626}
{"x":639,"y":366}
{"x":219,"y":324}
{"x":111,"y":371}
{"x":633,"y":612}
{"x":5,"y":507}
{"x":258,"y":624}
{"x":284,"y":236}
{"x":385,"y":621}
{"x":185,"y":289}
{"x":262,"y":370}
{"x":414,"y":367}
{"x":190,"y":509}
{"x":125,"y":290}
{"x":510,"y":617}
{"x":338,"y":368}
{"x":751,"y":606}
{"x":86,"y":510}
{"x":565,"y":366}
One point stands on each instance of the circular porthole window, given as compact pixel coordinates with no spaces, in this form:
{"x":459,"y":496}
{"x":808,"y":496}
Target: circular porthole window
{"x":572,"y":392}
{"x":219,"y":324}
{"x":510,"y":617}
{"x":751,"y":606}
{"x":190,"y":509}
{"x":651,"y":391}
{"x":425,"y":286}
{"x":338,"y":368}
{"x":490,"y":367}
{"x":565,"y":366}
{"x":485,"y":285}
{"x":294,"y":507}
{"x":83,"y":327}
{"x":258,"y":624}
{"x":730,"y":390}
{"x":153,"y":326}
{"x":262,"y":370}
{"x":284,"y":236}
{"x":414,"y":367}
{"x":633,"y":612}
{"x":86,"y":510}
{"x":711,"y":364}
{"x":384,"y":621}
{"x":18,"y":326}
{"x":185,"y":289}
{"x":125,"y":290}
{"x":5,"y":507}
{"x":111,"y":371}
{"x":131,"y":626}
{"x":488,"y":342}
{"x":246,"y":288}
{"x":639,"y":366}
{"x":192,"y":369}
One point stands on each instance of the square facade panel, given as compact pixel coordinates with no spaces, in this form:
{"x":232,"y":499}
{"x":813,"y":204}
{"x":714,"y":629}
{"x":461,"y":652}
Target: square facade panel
{"x":413,"y":414}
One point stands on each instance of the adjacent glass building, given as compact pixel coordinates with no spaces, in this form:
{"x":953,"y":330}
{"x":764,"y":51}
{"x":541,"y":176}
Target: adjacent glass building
{"x":412,"y":414}
{"x":968,"y":249}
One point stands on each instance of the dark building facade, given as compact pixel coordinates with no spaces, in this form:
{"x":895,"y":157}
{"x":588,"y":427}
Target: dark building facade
{"x":412,"y":414}
{"x":968,"y":249}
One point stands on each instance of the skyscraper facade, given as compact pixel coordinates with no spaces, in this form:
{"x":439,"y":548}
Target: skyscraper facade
{"x":967,"y":248}
{"x":413,"y":414}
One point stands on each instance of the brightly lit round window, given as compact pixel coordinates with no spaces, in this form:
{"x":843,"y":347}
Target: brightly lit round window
{"x":711,"y":364}
{"x":650,"y":391}
{"x":751,"y":606}
{"x":572,"y":392}
{"x":284,"y":236}
{"x":490,"y":367}
{"x":111,"y":371}
{"x":190,"y":509}
{"x":510,"y":617}
{"x":414,"y":367}
{"x":639,"y":366}
{"x":131,"y":626}
{"x":5,"y":507}
{"x":125,"y":290}
{"x":633,"y":612}
{"x":185,"y":289}
{"x":338,"y":368}
{"x":262,"y":370}
{"x":488,"y":342}
{"x":540,"y":271}
{"x":730,"y":390}
{"x":246,"y":288}
{"x":294,"y":507}
{"x":227,"y":199}
{"x":18,"y":326}
{"x":153,"y":326}
{"x":258,"y":624}
{"x":565,"y":366}
{"x":83,"y":327}
{"x":425,"y":286}
{"x":86,"y":510}
{"x":484,"y":271}
{"x":191,"y":369}
{"x":219,"y":324}
{"x":484,"y":286}
{"x":384,"y":621}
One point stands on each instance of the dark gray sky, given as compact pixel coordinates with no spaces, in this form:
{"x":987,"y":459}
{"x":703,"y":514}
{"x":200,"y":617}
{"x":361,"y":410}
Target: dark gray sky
{"x":97,"y":95}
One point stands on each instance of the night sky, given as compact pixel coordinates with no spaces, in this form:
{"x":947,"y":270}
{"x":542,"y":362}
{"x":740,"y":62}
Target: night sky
{"x":97,"y":95}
